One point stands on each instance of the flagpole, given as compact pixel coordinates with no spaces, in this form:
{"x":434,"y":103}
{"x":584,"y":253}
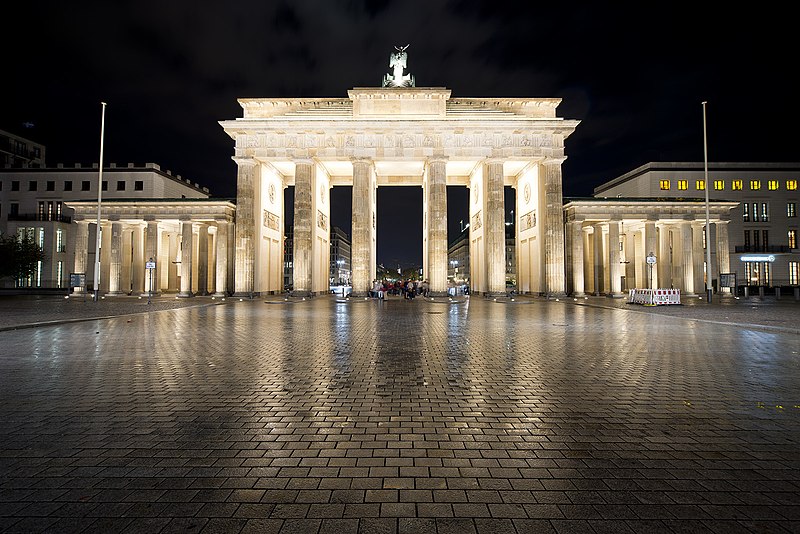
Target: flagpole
{"x":99,"y":200}
{"x":708,"y":218}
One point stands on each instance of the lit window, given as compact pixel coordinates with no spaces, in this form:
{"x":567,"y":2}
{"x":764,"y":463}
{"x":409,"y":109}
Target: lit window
{"x":755,"y":185}
{"x":791,"y":185}
{"x":59,"y":273}
{"x":664,"y":184}
{"x":755,"y":211}
{"x":764,"y":212}
{"x":746,"y":212}
{"x":719,"y":185}
{"x":683,"y":185}
{"x":791,"y":209}
{"x":60,"y":245}
{"x":736,"y":185}
{"x":794,"y":272}
{"x":700,"y":185}
{"x":793,"y":238}
{"x":773,"y":185}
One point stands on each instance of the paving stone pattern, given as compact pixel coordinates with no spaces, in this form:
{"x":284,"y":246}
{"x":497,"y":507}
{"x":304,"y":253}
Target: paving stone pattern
{"x":400,"y":416}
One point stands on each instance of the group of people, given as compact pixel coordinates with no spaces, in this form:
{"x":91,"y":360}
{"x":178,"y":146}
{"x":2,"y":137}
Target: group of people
{"x":407,"y":288}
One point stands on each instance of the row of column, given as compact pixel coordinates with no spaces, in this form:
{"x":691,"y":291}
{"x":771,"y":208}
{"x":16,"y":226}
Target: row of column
{"x":678,"y":250}
{"x":132,"y":245}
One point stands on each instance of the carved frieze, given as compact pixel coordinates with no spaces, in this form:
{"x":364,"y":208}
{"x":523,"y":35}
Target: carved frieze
{"x":322,"y":221}
{"x":527,"y":221}
{"x":271,"y":220}
{"x":477,"y":221}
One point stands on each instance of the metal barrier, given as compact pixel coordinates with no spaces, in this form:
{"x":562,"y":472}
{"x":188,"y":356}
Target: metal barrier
{"x":654,"y":297}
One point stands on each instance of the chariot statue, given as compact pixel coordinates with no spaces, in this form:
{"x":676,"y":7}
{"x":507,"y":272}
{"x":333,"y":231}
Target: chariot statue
{"x":397,"y":62}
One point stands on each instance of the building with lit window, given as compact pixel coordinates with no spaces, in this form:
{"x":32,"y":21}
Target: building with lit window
{"x":57,"y":207}
{"x":340,"y":258}
{"x":763,"y":228}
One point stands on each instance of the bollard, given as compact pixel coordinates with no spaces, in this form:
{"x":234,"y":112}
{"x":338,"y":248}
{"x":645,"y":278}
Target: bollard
{"x":796,"y":292}
{"x":746,"y":291}
{"x":761,"y":292}
{"x":778,"y":293}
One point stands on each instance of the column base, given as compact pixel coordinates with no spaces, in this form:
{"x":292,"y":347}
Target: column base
{"x":218,"y":295}
{"x":616,"y":295}
{"x":302,"y":293}
{"x":243,"y":295}
{"x":579,"y":294}
{"x":115,"y":294}
{"x":149,"y":294}
{"x":185,"y":294}
{"x":438,"y":294}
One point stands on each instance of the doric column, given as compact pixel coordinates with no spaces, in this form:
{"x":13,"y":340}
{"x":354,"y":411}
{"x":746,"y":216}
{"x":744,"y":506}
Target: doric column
{"x":202,"y":259}
{"x":688,"y":258}
{"x":664,"y":257}
{"x":221,"y":286}
{"x":186,"y":259}
{"x":494,"y":228}
{"x":553,"y":227}
{"x":137,"y":262}
{"x":304,"y":179}
{"x":723,"y":253}
{"x":651,"y":247}
{"x":81,"y":251}
{"x":578,"y":285}
{"x":361,"y":246}
{"x":599,"y":272}
{"x":245,"y":227}
{"x":172,"y":265}
{"x":615,"y":275}
{"x":436,"y":203}
{"x":151,"y":254}
{"x":115,"y":260}
{"x":698,"y":257}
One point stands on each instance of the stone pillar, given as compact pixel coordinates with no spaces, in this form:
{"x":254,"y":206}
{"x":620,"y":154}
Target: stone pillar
{"x":553,"y":227}
{"x":436,"y":216}
{"x":651,"y":246}
{"x":202,"y":259}
{"x":664,"y":265}
{"x":599,"y":272}
{"x":81,"y":252}
{"x":151,"y":254}
{"x":304,"y":224}
{"x":245,"y":227}
{"x":137,"y":264}
{"x":361,"y":246}
{"x":578,"y":285}
{"x":172,"y":266}
{"x":688,"y":259}
{"x":221,"y":286}
{"x":614,"y":265}
{"x":723,"y":253}
{"x":494,"y":229}
{"x":115,"y":260}
{"x":186,"y":259}
{"x":698,"y":257}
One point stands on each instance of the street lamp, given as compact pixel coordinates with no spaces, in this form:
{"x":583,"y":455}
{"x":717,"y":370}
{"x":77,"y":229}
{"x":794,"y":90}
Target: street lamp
{"x":708,"y":218}
{"x":339,"y":264}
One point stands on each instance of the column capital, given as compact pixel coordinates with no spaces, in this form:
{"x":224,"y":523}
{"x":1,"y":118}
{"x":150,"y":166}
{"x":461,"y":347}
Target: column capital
{"x":493,"y":159}
{"x":436,"y":159}
{"x":304,"y":161}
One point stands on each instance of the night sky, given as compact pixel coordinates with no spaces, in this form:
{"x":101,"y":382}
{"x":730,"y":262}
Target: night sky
{"x":635,"y":74}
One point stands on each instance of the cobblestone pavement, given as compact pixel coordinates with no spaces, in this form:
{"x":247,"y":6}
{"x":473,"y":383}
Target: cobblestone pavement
{"x":319,"y":416}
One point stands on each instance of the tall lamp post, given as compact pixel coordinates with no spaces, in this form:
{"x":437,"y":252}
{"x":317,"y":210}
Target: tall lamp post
{"x":99,"y":199}
{"x":708,"y":217}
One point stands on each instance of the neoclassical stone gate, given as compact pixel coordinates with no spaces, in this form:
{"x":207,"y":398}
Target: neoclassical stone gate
{"x":399,"y":136}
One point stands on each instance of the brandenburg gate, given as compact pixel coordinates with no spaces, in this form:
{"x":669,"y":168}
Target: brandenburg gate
{"x":399,"y":135}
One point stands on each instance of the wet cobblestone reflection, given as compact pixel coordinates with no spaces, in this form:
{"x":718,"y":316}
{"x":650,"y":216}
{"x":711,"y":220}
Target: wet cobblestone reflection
{"x":366,"y":416}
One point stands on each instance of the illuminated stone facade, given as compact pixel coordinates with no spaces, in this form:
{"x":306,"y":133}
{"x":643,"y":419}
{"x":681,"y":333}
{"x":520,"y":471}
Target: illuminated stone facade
{"x":408,"y":136}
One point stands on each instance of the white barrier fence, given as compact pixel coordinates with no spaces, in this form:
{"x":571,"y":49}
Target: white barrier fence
{"x":654,"y":297}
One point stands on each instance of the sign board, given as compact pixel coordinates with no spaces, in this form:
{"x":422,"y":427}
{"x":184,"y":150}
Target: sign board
{"x":149,"y":265}
{"x":77,"y":279}
{"x":727,"y":279}
{"x":651,"y":259}
{"x":758,"y":258}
